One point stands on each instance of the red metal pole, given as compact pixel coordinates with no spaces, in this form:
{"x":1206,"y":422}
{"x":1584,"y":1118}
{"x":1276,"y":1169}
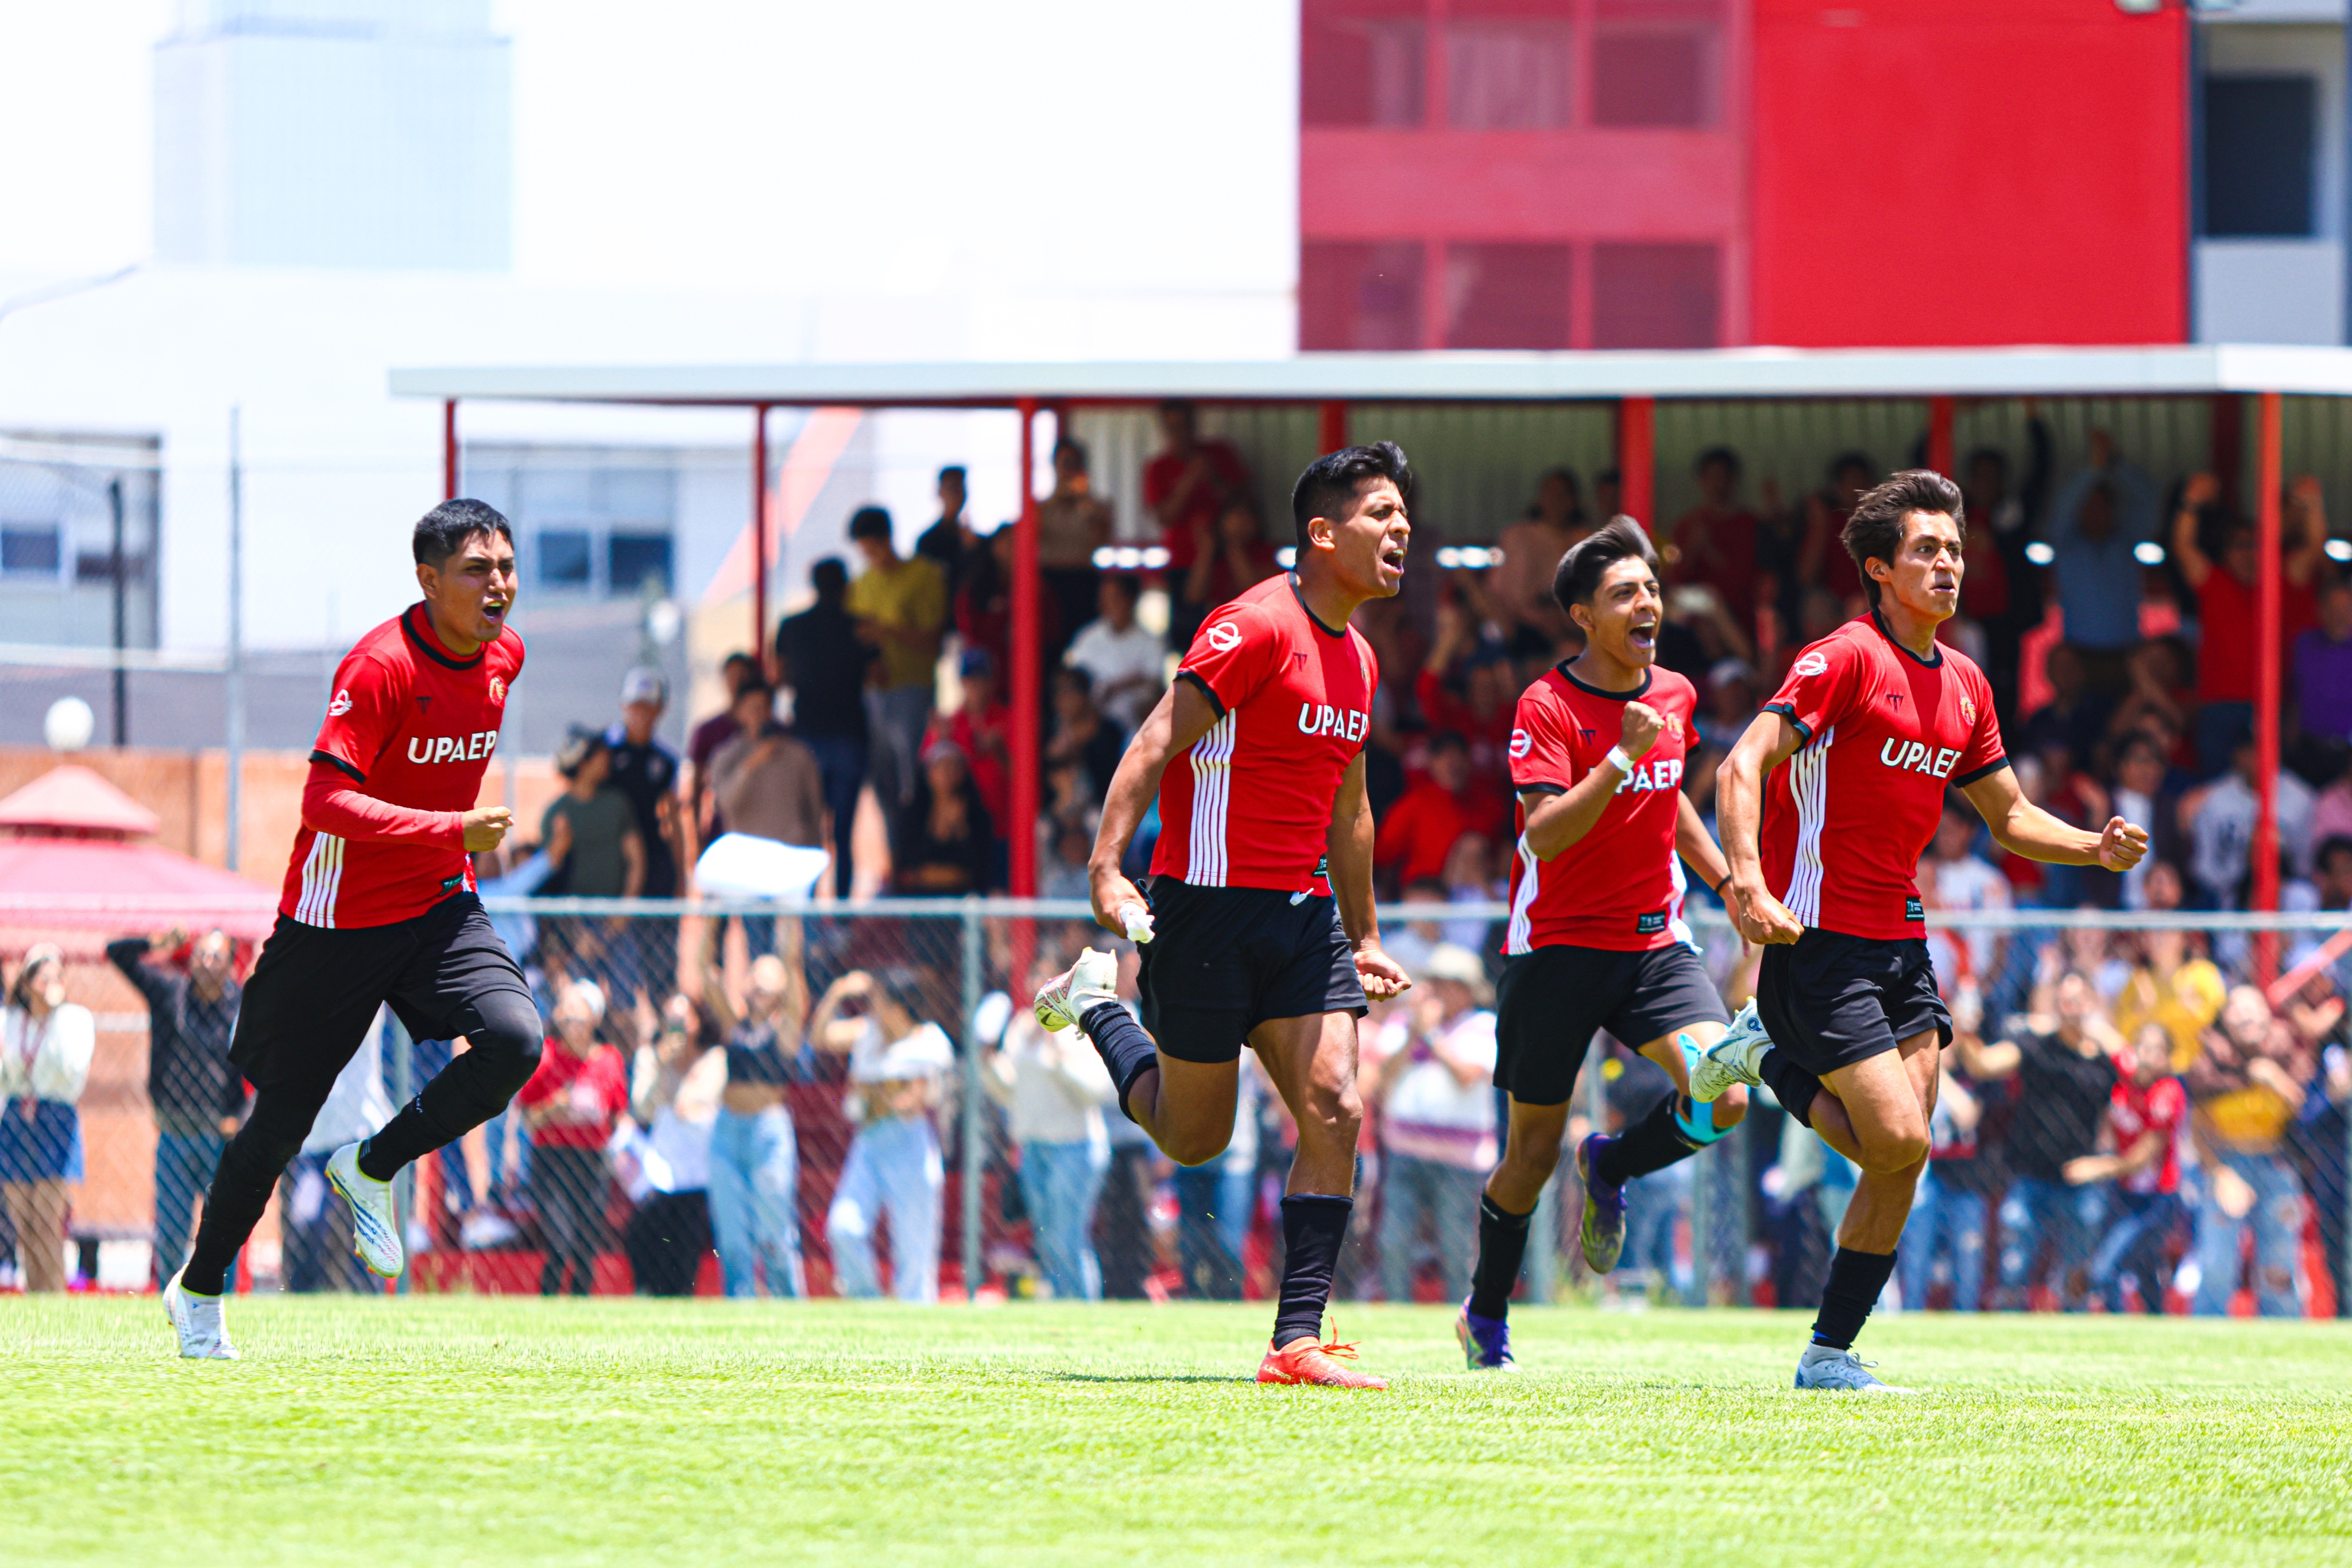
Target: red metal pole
{"x":448,"y":448}
{"x":759,"y":536}
{"x":1027,"y":675}
{"x":1939,"y":435}
{"x":1637,"y":458}
{"x":1332,"y":435}
{"x":2268,"y":613}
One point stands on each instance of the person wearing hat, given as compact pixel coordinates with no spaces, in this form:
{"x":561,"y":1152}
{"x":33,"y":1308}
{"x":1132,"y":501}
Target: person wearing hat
{"x":1435,"y":1089}
{"x":646,"y":771}
{"x":46,"y":1046}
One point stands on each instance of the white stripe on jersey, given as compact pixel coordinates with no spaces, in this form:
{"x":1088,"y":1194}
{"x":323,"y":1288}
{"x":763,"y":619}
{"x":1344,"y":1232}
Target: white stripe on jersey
{"x":1212,"y":783}
{"x":322,"y":879}
{"x":1676,"y":926}
{"x":1515,"y":936}
{"x":1808,"y":791}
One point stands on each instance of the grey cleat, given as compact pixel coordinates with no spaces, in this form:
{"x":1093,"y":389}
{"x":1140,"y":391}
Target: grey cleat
{"x":1735,"y":1059}
{"x":1839,"y":1371}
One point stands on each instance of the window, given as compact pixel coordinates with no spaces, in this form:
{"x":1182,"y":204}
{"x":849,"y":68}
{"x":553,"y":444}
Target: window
{"x":631,"y":560}
{"x":565,"y":559}
{"x":1650,"y":81}
{"x":1507,"y":296}
{"x":1359,"y":296}
{"x":1509,"y":67}
{"x":1362,"y":62}
{"x":2259,"y":154}
{"x":31,"y":550}
{"x":1655,"y":296}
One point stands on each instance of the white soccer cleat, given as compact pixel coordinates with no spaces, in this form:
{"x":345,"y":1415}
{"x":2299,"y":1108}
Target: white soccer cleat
{"x":203,"y":1327}
{"x":375,"y":1221}
{"x":1070,"y":996}
{"x":1823,"y":1367}
{"x":1735,"y":1059}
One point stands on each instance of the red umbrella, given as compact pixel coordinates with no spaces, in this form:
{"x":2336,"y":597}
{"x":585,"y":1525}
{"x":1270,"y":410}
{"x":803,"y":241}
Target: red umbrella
{"x":68,"y":863}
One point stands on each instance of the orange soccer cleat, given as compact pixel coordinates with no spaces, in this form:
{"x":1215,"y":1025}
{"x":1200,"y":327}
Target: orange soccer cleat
{"x":1303,"y":1360}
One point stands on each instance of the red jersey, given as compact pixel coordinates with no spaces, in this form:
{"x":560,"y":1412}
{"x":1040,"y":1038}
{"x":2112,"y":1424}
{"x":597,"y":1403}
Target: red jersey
{"x":596,"y":1087}
{"x":2134,"y":1112}
{"x":1250,"y":804}
{"x":2226,"y":650}
{"x":1620,"y":887}
{"x":413,"y":727}
{"x":1886,"y":733}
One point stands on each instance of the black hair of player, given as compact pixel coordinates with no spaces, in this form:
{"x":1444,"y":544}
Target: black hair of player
{"x":869,"y":522}
{"x":830,"y":577}
{"x":443,"y":531}
{"x":1874,"y":531}
{"x":1332,"y":482}
{"x":1588,"y":560}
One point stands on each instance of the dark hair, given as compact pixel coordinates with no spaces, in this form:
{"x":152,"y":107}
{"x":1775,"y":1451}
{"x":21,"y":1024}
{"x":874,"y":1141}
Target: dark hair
{"x":1331,"y":483}
{"x":1988,"y":454}
{"x":1078,"y":676}
{"x":738,"y":657}
{"x":902,"y":988}
{"x":1448,"y":740}
{"x":1589,"y":559}
{"x":1845,"y":460}
{"x":869,"y":522}
{"x":2330,"y":848}
{"x":442,"y":531}
{"x":1875,"y":532}
{"x":578,"y":746}
{"x":1072,"y":446}
{"x":1723,"y":455}
{"x":1179,"y":405}
{"x":829,"y":577}
{"x":757,"y":683}
{"x":953,"y":471}
{"x":1127,"y":582}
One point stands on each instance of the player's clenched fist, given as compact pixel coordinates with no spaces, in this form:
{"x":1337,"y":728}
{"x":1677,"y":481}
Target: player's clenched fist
{"x":1761,"y":918}
{"x":486,"y":827}
{"x":2122,"y":845}
{"x":1642,"y":724}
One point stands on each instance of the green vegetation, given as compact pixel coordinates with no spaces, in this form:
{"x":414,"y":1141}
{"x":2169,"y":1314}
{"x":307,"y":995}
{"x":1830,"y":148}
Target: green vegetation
{"x":453,"y":1430}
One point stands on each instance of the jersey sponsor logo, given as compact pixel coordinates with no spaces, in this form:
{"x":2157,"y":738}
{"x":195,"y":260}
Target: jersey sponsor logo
{"x":1916,"y":756}
{"x":1322,"y":718}
{"x":1666,"y":773}
{"x":1224,"y":636}
{"x":1522,"y":744}
{"x":1810,"y":665}
{"x":425,"y":749}
{"x":340,"y":704}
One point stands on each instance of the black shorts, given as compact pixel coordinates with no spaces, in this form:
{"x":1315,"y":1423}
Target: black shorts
{"x":1551,"y":1001}
{"x":1829,"y":1000}
{"x":314,"y":990}
{"x":1223,"y":960}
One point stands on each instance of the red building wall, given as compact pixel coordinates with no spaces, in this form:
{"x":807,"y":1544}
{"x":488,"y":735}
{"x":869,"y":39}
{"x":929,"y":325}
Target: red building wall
{"x":1949,"y":172}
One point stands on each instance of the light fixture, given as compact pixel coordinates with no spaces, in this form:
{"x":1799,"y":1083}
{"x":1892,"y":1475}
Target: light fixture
{"x":1286,"y":557}
{"x":2038,"y":552}
{"x":2339,"y":550}
{"x":2148,"y":552}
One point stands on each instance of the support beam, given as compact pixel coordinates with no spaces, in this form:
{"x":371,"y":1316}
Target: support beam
{"x":450,"y":449}
{"x":1025,"y":672}
{"x":1939,"y":436}
{"x":759,"y":538}
{"x":1331,"y":431}
{"x":2269,"y":611}
{"x":1637,"y":467}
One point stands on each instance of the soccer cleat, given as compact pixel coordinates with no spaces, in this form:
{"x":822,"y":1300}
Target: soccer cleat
{"x":375,"y":1222}
{"x":1064,"y":1001}
{"x":1839,"y":1371}
{"x":1602,"y":1229}
{"x":1734,"y":1059}
{"x":1485,"y":1342}
{"x":203,"y":1327}
{"x":1303,"y":1361}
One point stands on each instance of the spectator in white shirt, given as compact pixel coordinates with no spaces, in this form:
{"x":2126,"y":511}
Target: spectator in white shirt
{"x":47,"y":1044}
{"x":899,"y":1066}
{"x":1129,"y":663}
{"x":1956,"y":878}
{"x":1435,"y":1089}
{"x":1054,"y":1088}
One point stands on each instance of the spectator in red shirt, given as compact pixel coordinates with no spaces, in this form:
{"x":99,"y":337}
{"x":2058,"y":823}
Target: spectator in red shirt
{"x":2225,"y":591}
{"x":1421,"y":828}
{"x":1187,"y":487}
{"x":978,"y":726}
{"x":1716,"y":540}
{"x":571,"y":1105}
{"x":2144,"y":1118}
{"x":1238,"y":558}
{"x":1481,"y":711}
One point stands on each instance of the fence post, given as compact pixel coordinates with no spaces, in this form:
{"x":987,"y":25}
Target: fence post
{"x":1543,"y":1255}
{"x":973,"y":1163}
{"x":403,"y":1076}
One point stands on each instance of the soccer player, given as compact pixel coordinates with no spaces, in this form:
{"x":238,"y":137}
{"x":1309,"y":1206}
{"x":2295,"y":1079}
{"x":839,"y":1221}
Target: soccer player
{"x":1596,"y":938}
{"x":1259,"y":919}
{"x":379,"y":907}
{"x":1875,"y":722}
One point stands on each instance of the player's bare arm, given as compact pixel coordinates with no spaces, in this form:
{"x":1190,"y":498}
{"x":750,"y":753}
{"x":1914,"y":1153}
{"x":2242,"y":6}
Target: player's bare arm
{"x":2022,"y":827}
{"x":1181,"y":717}
{"x":1350,"y":848}
{"x":1770,"y":741}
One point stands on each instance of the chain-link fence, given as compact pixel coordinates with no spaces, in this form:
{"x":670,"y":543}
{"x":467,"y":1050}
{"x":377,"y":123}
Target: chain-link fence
{"x":853,"y":1100}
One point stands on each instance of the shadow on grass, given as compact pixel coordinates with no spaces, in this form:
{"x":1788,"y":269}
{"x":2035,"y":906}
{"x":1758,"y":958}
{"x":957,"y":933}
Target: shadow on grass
{"x":1146,"y":1377}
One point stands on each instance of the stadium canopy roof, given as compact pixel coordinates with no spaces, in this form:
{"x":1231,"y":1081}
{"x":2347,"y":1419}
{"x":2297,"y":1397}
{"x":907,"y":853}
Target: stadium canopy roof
{"x":1425,"y":377}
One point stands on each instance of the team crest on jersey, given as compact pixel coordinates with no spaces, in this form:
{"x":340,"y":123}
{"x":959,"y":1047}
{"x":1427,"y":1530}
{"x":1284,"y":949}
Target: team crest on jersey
{"x":340,"y":704}
{"x":1522,"y":744}
{"x":1969,"y":710}
{"x":498,"y":689}
{"x":1224,"y":636}
{"x":1675,"y":724}
{"x":1810,"y":665}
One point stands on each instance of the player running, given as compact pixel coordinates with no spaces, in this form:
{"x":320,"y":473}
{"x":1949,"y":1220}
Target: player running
{"x":1876,"y":721}
{"x":1596,"y":938}
{"x":379,"y":907}
{"x":1259,"y":918}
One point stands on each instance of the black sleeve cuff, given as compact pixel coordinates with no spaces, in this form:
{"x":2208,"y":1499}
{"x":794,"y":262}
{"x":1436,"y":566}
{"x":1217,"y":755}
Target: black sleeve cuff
{"x":330,"y":758}
{"x":1206,"y":690}
{"x":1542,"y":787}
{"x":1804,"y":731}
{"x":1987,"y":771}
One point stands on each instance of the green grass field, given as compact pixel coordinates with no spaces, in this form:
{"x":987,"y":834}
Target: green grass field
{"x":461,"y":1430}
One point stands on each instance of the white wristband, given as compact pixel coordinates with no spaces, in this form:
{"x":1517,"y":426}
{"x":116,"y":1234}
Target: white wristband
{"x":1620,"y":761}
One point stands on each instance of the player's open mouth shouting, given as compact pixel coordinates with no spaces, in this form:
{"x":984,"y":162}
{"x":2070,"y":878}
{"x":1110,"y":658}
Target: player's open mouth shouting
{"x":1643,"y":633}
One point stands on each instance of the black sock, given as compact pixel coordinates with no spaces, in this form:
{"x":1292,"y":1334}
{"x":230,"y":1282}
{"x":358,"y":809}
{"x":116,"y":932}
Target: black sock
{"x":1855,"y":1280}
{"x":1652,"y":1144}
{"x":1313,"y":1227}
{"x":1790,"y":1084}
{"x":1123,"y":1045}
{"x":1502,"y":1246}
{"x":407,"y":1136}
